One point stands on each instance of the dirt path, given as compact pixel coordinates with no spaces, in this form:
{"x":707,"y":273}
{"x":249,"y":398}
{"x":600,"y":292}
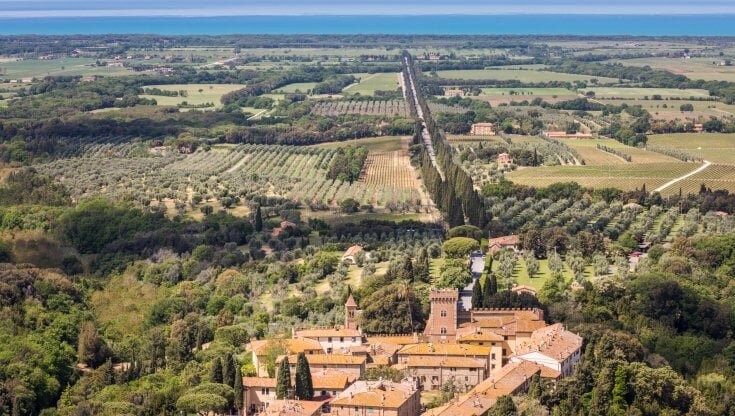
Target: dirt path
{"x":681,"y":178}
{"x":239,"y":163}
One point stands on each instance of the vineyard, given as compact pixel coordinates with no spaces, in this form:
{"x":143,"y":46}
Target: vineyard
{"x":629,"y":176}
{"x":230,"y":176}
{"x":716,"y":176}
{"x":371,"y":108}
{"x":392,"y":173}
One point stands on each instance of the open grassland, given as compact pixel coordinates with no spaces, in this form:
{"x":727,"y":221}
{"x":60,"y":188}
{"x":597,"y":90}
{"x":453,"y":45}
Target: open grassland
{"x":635,"y":92}
{"x":195,"y":93}
{"x":708,"y":69}
{"x":56,"y":67}
{"x":627,"y":176}
{"x":471,"y":139}
{"x":527,"y":93}
{"x":297,"y":87}
{"x":369,"y":83}
{"x":715,"y":147}
{"x":670,"y":109}
{"x":716,"y":176}
{"x":518,"y":75}
{"x":373,"y":144}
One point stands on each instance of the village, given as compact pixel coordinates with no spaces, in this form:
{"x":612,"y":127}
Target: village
{"x":481,"y":354}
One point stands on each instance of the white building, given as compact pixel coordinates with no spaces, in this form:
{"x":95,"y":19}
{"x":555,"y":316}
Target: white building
{"x":332,"y":340}
{"x":553,"y":347}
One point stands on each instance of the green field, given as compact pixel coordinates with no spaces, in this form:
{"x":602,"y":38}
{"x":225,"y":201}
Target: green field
{"x":716,"y":176}
{"x":526,"y":92}
{"x":197,"y":93}
{"x":670,"y":109}
{"x":373,"y":144}
{"x":707,"y":69}
{"x":65,"y":66}
{"x":618,"y":92}
{"x":369,"y":83}
{"x":519,"y":75}
{"x":627,"y":176}
{"x":715,"y":147}
{"x":297,"y":86}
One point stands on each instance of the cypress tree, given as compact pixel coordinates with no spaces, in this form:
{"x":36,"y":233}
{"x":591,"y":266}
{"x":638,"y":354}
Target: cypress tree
{"x":238,"y":390}
{"x":228,"y":370}
{"x":406,"y":272}
{"x":283,"y":380}
{"x":304,"y":388}
{"x":215,"y":374}
{"x":489,"y":290}
{"x":422,"y":269}
{"x":258,"y":220}
{"x":477,"y":294}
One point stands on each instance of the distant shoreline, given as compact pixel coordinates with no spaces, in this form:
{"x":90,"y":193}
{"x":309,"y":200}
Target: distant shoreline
{"x":512,"y":24}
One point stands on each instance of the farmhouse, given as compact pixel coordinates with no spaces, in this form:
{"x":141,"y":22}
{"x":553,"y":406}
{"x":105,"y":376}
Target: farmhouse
{"x":350,"y":256}
{"x":284,"y":224}
{"x":332,"y":340}
{"x":453,"y":93}
{"x":500,"y":243}
{"x":504,"y":159}
{"x":380,"y":398}
{"x":524,"y":289}
{"x":483,"y":129}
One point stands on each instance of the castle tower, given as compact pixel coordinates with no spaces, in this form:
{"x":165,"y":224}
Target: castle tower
{"x":442,"y":324}
{"x":351,"y":313}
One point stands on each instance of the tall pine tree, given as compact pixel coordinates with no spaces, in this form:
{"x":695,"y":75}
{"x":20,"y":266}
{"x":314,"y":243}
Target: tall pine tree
{"x":304,"y":388}
{"x":283,"y":380}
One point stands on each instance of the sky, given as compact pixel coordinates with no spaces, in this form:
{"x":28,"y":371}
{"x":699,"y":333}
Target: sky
{"x":51,"y":8}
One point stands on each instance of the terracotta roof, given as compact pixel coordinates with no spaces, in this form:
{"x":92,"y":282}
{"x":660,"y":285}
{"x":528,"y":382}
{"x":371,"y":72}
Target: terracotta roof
{"x":508,"y":240}
{"x":327,"y":332}
{"x":381,"y":394}
{"x":393,"y":339}
{"x":480,"y":336}
{"x":352,"y":251}
{"x":506,"y":380}
{"x":446,"y":362}
{"x":328,"y":359}
{"x":548,"y":372}
{"x":293,"y":408}
{"x":294,"y":345}
{"x":351,"y":301}
{"x":330,"y":380}
{"x":552,"y":341}
{"x":444,"y":349}
{"x":258,"y":382}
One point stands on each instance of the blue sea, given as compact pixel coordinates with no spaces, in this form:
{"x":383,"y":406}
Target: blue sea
{"x":688,"y":25}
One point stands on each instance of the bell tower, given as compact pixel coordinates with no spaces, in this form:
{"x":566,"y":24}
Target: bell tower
{"x":351,"y":313}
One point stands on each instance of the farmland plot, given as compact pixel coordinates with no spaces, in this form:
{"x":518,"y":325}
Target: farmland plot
{"x":371,"y":108}
{"x":389,"y":176}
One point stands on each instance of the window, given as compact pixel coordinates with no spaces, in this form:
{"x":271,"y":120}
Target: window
{"x":354,"y":339}
{"x":492,"y":356}
{"x":493,"y":367}
{"x":341,"y":339}
{"x":466,"y":378}
{"x":443,"y":330}
{"x":443,"y":313}
{"x":329,"y":339}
